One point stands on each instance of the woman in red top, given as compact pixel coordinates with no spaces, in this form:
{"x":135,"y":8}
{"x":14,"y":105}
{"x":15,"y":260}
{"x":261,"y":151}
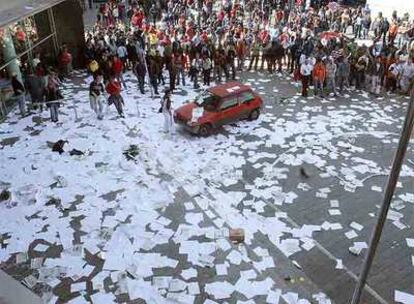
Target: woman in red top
{"x":65,"y":62}
{"x":117,"y":70}
{"x":113,"y":88}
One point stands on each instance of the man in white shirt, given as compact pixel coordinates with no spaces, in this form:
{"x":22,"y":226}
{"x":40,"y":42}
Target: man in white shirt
{"x":306,"y":74}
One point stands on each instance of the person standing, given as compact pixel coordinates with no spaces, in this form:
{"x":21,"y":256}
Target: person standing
{"x":217,"y":59}
{"x":195,"y":69}
{"x":36,"y":85}
{"x":377,"y":72}
{"x":153,"y":73}
{"x":319,"y":74}
{"x":53,"y":96}
{"x":96,"y":92}
{"x":392,"y":74}
{"x":206,"y":70}
{"x":406,"y":75}
{"x":113,"y":88}
{"x":166,"y":111}
{"x":180,"y":65}
{"x":241,"y":53}
{"x":65,"y":62}
{"x":306,"y":74}
{"x":117,"y":70}
{"x":360,"y":69}
{"x":343,"y":73}
{"x":122,"y":53}
{"x":254,"y":55}
{"x":140,"y":71}
{"x":230,"y":66}
{"x":331,"y":69}
{"x":19,"y":94}
{"x":172,"y":72}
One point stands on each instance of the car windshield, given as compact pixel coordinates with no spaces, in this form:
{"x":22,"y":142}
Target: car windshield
{"x":204,"y":98}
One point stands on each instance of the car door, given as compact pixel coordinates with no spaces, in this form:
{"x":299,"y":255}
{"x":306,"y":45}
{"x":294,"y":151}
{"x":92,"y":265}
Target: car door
{"x":228,"y":110}
{"x":246,"y":107}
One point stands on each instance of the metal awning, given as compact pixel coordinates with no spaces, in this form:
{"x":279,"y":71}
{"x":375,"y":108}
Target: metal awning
{"x":15,"y":10}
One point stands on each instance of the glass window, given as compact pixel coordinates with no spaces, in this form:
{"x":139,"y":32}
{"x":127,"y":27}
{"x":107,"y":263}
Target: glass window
{"x":229,"y":102}
{"x":246,"y":96}
{"x":204,"y":98}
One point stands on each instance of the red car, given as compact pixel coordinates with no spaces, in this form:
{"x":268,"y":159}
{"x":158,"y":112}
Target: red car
{"x":217,"y":106}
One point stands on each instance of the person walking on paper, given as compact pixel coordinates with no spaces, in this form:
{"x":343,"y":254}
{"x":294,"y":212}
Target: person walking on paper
{"x":113,"y":88}
{"x":96,"y":92}
{"x":166,"y":111}
{"x":53,"y":96}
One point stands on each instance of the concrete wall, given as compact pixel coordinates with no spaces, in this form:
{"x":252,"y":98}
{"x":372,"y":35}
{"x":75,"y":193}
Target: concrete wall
{"x":6,"y":5}
{"x":70,"y":29}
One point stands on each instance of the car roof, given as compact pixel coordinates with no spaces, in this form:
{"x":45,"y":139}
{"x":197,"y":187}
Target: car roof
{"x":228,"y":89}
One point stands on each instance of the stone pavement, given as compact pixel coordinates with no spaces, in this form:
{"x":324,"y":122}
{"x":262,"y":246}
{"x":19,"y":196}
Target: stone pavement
{"x":155,"y":228}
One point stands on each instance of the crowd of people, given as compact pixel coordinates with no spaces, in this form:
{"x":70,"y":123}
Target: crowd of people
{"x":42,"y":83}
{"x":168,"y":43}
{"x":213,"y":40}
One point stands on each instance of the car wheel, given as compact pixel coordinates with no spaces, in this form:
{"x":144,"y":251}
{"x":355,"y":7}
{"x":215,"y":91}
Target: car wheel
{"x":205,"y":130}
{"x":254,"y":114}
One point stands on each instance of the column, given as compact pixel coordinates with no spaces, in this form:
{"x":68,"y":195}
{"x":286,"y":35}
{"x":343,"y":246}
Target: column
{"x":68,"y":17}
{"x":9,"y":54}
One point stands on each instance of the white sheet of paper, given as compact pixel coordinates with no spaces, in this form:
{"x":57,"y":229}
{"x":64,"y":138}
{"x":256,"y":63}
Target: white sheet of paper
{"x":77,"y":287}
{"x":339,"y":264}
{"x":403,"y":297}
{"x":334,"y":212}
{"x":221,"y":269}
{"x":410,"y":242}
{"x":356,"y":226}
{"x":41,"y":247}
{"x":189,"y":273}
{"x":351,"y":234}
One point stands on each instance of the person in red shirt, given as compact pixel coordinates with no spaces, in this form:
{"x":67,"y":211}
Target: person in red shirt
{"x":113,"y":88}
{"x":180,"y":60}
{"x":117,"y":69}
{"x":319,"y":75}
{"x":65,"y":62}
{"x":241,"y":53}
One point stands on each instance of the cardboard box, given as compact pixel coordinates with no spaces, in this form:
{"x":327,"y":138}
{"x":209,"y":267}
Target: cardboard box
{"x":236,"y":235}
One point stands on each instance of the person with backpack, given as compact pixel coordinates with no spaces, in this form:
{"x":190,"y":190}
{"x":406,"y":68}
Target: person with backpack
{"x":36,"y":86}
